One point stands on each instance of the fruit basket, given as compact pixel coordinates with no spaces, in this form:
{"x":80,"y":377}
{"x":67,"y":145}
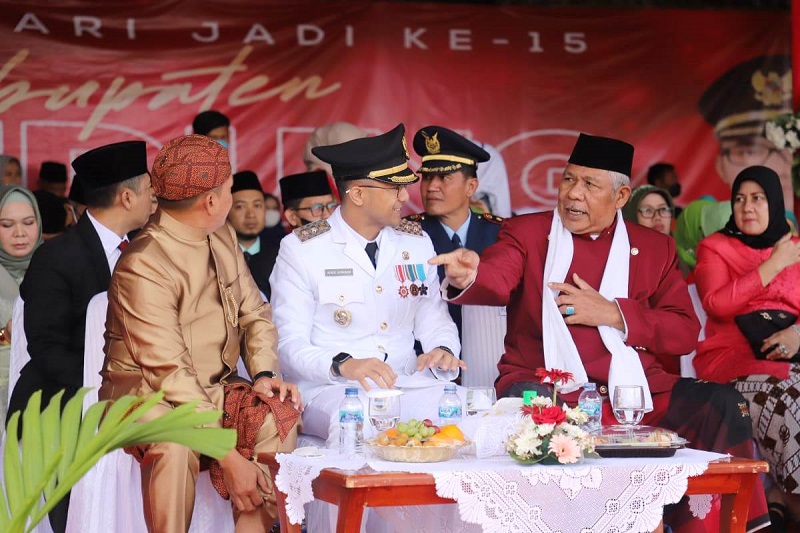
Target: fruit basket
{"x":638,"y":441}
{"x":414,"y":454}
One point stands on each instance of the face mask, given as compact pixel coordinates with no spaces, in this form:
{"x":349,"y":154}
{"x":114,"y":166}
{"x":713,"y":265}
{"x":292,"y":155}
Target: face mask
{"x":272,"y":218}
{"x":223,"y":143}
{"x":675,"y":190}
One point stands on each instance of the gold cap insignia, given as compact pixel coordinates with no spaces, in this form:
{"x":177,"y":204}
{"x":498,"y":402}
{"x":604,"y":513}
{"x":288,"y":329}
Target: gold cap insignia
{"x":771,"y":89}
{"x":405,"y":148}
{"x":432,"y":143}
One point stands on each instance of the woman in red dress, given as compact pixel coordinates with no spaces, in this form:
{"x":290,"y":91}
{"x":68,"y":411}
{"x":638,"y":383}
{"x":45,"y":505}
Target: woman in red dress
{"x":753,"y":265}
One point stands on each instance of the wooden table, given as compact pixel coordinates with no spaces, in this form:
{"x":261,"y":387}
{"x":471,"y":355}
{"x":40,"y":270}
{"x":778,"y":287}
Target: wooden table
{"x":351,"y":491}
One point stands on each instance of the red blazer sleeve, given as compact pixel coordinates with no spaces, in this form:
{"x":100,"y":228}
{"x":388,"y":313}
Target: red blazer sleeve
{"x":500,"y":270}
{"x":723,"y":294}
{"x":659,"y":313}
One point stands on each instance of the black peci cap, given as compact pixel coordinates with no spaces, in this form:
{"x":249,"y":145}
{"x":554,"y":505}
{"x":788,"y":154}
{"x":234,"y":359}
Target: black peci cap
{"x":303,"y":185}
{"x":209,"y":120}
{"x":246,"y":180}
{"x":53,"y":172}
{"x":111,"y":164}
{"x":604,"y":153}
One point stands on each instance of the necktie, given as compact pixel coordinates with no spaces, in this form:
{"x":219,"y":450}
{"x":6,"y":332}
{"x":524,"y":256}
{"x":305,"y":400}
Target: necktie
{"x":456,"y":240}
{"x":372,"y":249}
{"x":247,"y":256}
{"x":123,"y":245}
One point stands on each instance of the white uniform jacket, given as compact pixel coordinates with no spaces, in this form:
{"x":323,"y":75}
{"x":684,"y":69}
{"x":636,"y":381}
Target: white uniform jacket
{"x":327,"y":298}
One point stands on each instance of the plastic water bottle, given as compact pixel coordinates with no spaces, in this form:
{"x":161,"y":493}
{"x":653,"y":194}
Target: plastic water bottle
{"x":351,"y":423}
{"x":450,"y":411}
{"x":591,"y":403}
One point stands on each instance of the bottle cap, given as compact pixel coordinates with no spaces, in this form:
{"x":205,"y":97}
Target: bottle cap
{"x":528,"y":396}
{"x":349,"y":391}
{"x":450,"y":387}
{"x":589,"y":386}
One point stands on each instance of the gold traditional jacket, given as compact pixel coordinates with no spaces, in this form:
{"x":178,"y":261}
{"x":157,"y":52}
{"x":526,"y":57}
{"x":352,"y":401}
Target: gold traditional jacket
{"x":182,"y":306}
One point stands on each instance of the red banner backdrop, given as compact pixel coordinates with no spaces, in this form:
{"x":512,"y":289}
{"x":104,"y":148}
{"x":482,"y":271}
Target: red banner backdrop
{"x":525,"y":80}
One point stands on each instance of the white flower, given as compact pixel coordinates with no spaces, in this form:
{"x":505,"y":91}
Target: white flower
{"x":776,"y":135}
{"x":793,"y":140}
{"x":576,"y":415}
{"x":542,"y":401}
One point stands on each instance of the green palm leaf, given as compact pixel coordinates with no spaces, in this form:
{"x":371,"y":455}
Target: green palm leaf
{"x":60,"y":447}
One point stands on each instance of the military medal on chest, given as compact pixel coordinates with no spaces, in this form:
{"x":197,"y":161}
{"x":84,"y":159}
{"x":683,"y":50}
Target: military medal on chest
{"x":342,"y":317}
{"x":415,"y":275}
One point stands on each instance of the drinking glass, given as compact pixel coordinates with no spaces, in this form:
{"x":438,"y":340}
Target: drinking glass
{"x":384,"y":408}
{"x":480,"y":399}
{"x":628,"y":404}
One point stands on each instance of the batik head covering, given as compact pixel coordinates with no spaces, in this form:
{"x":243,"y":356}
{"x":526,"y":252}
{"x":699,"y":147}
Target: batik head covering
{"x":188,"y":166}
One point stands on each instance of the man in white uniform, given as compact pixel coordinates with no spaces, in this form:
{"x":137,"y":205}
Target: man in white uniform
{"x":351,"y":293}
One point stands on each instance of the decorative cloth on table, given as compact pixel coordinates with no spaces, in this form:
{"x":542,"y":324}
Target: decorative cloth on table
{"x":559,"y":347}
{"x":759,"y":325}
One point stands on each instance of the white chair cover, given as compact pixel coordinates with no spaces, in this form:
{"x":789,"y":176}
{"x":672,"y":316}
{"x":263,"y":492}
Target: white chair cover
{"x":19,"y":345}
{"x":109,"y":497}
{"x":19,"y":358}
{"x":483,"y":329}
{"x":687,"y":367}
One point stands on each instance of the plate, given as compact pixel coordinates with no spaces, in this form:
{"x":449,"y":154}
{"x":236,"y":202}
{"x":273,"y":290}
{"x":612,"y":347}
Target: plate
{"x":655,"y":450}
{"x":414,"y":454}
{"x":308,"y":451}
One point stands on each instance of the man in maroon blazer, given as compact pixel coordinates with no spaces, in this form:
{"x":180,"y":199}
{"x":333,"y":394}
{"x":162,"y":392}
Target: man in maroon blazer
{"x":654,"y":317}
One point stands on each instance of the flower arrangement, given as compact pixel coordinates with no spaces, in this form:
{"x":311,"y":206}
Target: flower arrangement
{"x":547,"y":433}
{"x":784,"y":132}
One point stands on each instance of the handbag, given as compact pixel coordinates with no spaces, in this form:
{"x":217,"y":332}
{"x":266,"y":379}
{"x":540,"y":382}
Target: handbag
{"x":759,"y":325}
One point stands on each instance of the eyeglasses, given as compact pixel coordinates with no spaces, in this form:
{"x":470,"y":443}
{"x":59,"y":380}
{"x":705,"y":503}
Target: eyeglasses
{"x":754,"y":154}
{"x":317,"y":209}
{"x":649,"y":212}
{"x":396,"y":188}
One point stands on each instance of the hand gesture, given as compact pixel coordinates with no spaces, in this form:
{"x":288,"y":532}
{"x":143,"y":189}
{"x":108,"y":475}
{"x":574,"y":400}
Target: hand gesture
{"x":784,"y":344}
{"x":785,"y":253}
{"x":581,"y":304}
{"x":267,"y":387}
{"x":441,"y":359}
{"x":242,"y":479}
{"x":460,"y":266}
{"x":375,"y":369}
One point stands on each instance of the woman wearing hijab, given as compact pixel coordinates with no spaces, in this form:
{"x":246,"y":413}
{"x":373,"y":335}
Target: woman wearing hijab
{"x":748,"y":277}
{"x":650,"y":207}
{"x":10,"y":170}
{"x":20,"y":235}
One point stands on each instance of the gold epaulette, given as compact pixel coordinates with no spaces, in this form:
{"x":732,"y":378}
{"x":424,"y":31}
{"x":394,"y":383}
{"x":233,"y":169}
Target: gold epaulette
{"x":311,"y":230}
{"x":492,"y":218}
{"x":410,"y":227}
{"x":419,"y":217}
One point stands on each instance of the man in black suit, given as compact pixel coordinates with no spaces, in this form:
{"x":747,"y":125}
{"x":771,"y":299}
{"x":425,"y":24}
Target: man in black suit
{"x":449,"y":179}
{"x":67,"y":271}
{"x":307,"y":197}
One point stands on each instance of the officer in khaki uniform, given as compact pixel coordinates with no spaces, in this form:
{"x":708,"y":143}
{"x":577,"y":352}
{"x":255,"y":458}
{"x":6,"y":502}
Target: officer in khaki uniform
{"x":183,"y":308}
{"x":351,"y":293}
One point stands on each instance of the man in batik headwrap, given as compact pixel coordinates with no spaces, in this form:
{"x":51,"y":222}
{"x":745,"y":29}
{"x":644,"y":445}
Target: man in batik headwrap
{"x":180,"y":301}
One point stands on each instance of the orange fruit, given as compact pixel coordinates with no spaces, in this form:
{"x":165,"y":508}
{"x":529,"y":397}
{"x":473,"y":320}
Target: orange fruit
{"x":391,"y":432}
{"x":452,"y":431}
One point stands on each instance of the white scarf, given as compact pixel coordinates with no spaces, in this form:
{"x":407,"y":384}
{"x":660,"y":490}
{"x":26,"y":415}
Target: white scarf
{"x":560,"y":351}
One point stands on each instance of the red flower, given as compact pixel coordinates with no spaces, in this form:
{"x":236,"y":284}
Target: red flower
{"x":553,"y":376}
{"x":550,"y":415}
{"x":545,"y":415}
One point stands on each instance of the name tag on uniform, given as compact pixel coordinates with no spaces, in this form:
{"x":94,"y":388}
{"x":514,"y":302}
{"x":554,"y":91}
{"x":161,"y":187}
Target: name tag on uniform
{"x":338,"y":272}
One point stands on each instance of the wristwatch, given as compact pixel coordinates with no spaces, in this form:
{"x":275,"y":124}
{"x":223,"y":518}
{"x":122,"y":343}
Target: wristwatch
{"x":446,"y":349}
{"x":338,"y":359}
{"x":265,"y":374}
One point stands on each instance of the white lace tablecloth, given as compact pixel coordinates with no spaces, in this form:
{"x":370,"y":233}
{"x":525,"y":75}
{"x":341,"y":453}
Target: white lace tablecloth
{"x":500,"y":495}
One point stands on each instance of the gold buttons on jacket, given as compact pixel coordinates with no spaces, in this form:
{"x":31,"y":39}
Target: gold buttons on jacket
{"x":384,"y":325}
{"x":341,"y":297}
{"x":602,"y":389}
{"x":378,"y":289}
